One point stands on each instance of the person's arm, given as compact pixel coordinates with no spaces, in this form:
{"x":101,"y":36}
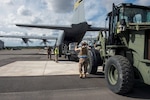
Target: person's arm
{"x":76,"y":48}
{"x":88,"y":47}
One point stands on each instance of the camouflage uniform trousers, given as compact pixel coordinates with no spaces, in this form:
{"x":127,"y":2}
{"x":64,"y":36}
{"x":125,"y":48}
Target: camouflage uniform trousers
{"x":56,"y":57}
{"x":49,"y":55}
{"x":83,"y":63}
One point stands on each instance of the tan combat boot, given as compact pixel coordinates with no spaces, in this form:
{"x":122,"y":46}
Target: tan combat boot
{"x":80,"y":75}
{"x":84,"y":75}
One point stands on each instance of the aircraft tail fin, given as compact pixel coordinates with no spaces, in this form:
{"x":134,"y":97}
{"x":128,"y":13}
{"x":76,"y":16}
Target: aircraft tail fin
{"x":79,"y":13}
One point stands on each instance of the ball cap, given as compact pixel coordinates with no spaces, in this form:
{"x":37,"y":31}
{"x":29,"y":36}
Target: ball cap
{"x":84,"y":43}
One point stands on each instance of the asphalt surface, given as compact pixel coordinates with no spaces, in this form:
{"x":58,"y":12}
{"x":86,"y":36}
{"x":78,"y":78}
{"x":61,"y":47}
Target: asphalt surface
{"x":58,"y":87}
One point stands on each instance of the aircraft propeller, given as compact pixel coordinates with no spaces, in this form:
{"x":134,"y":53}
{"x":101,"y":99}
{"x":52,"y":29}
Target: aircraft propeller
{"x":44,"y":41}
{"x":26,"y":40}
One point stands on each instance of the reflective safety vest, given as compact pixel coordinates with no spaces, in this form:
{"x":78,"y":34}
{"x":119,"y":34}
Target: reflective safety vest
{"x":56,"y":51}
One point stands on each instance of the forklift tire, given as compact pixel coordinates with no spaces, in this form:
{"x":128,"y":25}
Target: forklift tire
{"x":92,"y":66}
{"x":70,"y":58}
{"x":99,"y":59}
{"x":119,"y":74}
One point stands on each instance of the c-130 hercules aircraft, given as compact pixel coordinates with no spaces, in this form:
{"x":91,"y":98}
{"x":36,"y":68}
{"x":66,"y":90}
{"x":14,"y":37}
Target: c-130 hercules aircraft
{"x":71,"y":33}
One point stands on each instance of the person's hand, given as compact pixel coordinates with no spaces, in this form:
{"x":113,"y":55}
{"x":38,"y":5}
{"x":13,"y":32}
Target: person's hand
{"x":76,"y":44}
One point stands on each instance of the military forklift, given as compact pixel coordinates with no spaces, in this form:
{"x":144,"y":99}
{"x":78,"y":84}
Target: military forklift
{"x":124,"y":49}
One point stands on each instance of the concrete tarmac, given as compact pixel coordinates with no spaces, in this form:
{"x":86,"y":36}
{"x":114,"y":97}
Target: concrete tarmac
{"x":29,"y":75}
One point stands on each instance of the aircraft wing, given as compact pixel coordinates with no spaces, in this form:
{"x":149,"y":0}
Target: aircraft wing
{"x":63,"y":27}
{"x":88,"y":38}
{"x":29,"y":37}
{"x":97,"y":29}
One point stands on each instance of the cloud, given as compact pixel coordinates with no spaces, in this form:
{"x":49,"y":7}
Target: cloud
{"x":52,"y":12}
{"x":143,"y":2}
{"x":94,"y":12}
{"x":60,"y":6}
{"x":9,"y":2}
{"x":24,"y":11}
{"x":36,"y":20}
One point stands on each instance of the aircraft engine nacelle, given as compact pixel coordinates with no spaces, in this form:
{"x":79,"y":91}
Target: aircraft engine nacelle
{"x":60,"y":39}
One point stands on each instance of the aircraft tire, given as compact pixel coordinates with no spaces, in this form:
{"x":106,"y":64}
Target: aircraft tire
{"x":92,"y":66}
{"x":119,"y":74}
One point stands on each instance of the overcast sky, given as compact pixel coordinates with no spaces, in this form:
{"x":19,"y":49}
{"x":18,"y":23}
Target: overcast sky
{"x":50,"y":12}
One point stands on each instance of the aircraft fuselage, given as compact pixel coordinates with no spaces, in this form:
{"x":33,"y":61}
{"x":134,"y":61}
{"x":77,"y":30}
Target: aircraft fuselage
{"x":76,"y":33}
